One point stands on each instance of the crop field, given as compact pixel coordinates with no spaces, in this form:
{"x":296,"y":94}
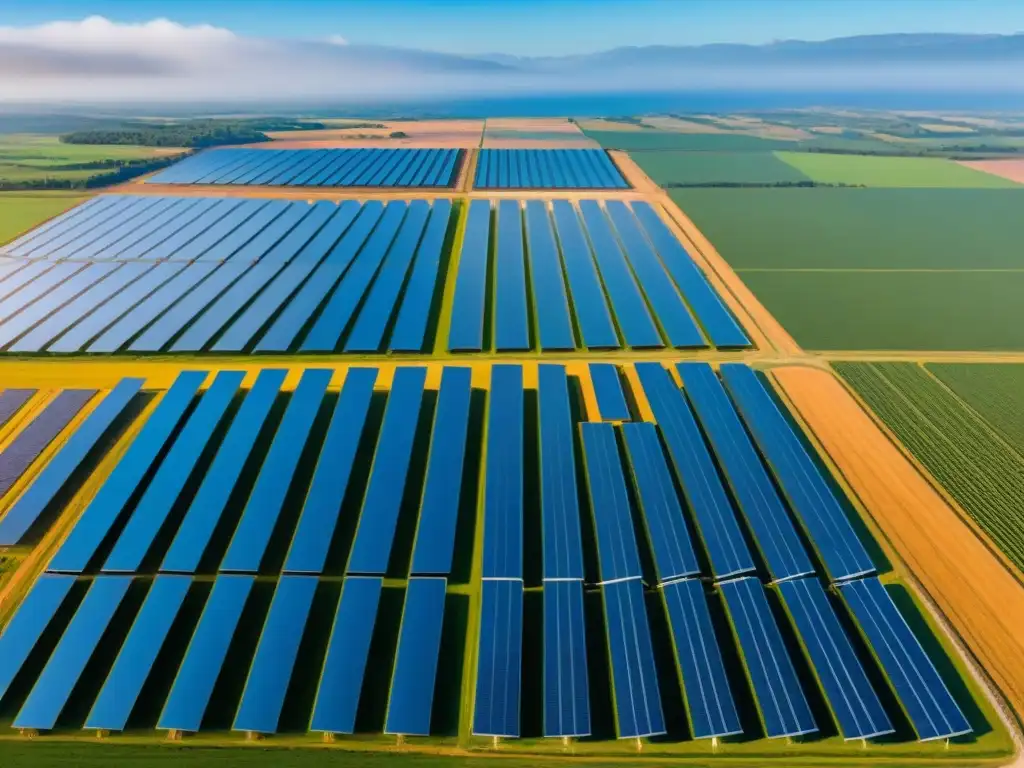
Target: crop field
{"x":653,"y":139}
{"x":870,"y":171}
{"x":20,"y":212}
{"x":956,"y":445}
{"x":671,"y":168}
{"x":26,"y":157}
{"x":995,"y":392}
{"x":163,"y":618}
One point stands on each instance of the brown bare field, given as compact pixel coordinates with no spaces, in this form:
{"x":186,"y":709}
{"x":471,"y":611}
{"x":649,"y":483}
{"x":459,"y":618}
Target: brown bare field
{"x":420,"y":133}
{"x":600,"y":124}
{"x":827,"y":129}
{"x":946,"y":128}
{"x":981,"y":599}
{"x":678,"y":125}
{"x":330,"y":134}
{"x":546,"y":124}
{"x":1007,"y":169}
{"x":569,"y":142}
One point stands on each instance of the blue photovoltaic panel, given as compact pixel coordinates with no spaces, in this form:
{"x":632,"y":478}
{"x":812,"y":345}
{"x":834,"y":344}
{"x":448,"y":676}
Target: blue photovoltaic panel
{"x":411,"y":325}
{"x":315,"y":530}
{"x":595,"y":322}
{"x":923,"y":695}
{"x":34,"y":501}
{"x":419,"y":643}
{"x":252,"y":536}
{"x":371,"y":549}
{"x":638,"y":710}
{"x":705,"y":684}
{"x":768,"y":518}
{"x":554,"y":328}
{"x":108,"y":505}
{"x":680,"y":328}
{"x":499,"y":659}
{"x":566,"y":692}
{"x":854,"y":702}
{"x":69,"y":280}
{"x":378,"y":309}
{"x":11,"y":401}
{"x":152,"y":510}
{"x":780,"y":699}
{"x":547,"y":169}
{"x":662,"y":514}
{"x":720,"y":326}
{"x":271,"y":671}
{"x":204,"y":512}
{"x":511,"y":326}
{"x":293,"y":317}
{"x":341,"y":682}
{"x":193,"y":685}
{"x":19,"y":455}
{"x":120,"y":692}
{"x":466,"y":333}
{"x":336,"y":316}
{"x":695,"y":470}
{"x":79,"y":213}
{"x":503,"y":482}
{"x":58,"y":678}
{"x":611,"y":400}
{"x":439,"y":508}
{"x":617,"y":553}
{"x":805,"y":488}
{"x":635,"y":321}
{"x":560,"y":512}
{"x":28,"y":623}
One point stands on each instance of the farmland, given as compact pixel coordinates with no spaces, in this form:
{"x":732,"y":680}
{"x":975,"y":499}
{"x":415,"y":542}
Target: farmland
{"x":868,"y":171}
{"x":648,"y":140}
{"x":995,"y":392}
{"x":671,"y":168}
{"x":22,"y":211}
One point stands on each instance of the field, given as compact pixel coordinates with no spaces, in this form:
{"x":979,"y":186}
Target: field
{"x":671,"y":168}
{"x":22,"y":211}
{"x":1006,"y":169}
{"x":956,"y":445}
{"x":640,"y":141}
{"x":996,"y":392}
{"x":868,"y":171}
{"x":29,"y":157}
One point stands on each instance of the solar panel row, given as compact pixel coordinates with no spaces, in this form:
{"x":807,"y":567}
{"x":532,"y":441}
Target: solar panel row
{"x":317,"y":168}
{"x":547,"y":169}
{"x":235,"y":275}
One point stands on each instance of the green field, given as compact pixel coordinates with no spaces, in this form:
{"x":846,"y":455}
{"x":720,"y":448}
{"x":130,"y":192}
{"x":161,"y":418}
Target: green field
{"x":673,"y":167}
{"x":956,"y":445}
{"x":872,"y":171}
{"x":25,"y":157}
{"x":996,"y":392}
{"x":20,"y":211}
{"x":691,"y":142}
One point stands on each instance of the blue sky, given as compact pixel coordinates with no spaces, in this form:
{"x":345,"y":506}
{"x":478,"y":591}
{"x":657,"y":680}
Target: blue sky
{"x":545,"y":27}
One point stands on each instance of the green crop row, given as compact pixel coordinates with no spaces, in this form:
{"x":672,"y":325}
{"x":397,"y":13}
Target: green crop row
{"x":996,"y":391}
{"x":957,"y":446}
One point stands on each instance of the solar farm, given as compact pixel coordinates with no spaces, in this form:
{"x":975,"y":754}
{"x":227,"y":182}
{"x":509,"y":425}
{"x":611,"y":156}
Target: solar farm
{"x":442,"y":452}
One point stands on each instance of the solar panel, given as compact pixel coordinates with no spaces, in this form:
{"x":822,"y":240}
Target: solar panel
{"x":467,"y":335}
{"x":499,"y":659}
{"x":11,"y":401}
{"x":617,"y":554}
{"x":696,"y":473}
{"x":804,"y":486}
{"x":635,"y":321}
{"x":920,"y":689}
{"x":611,"y":400}
{"x":546,"y":169}
{"x":34,"y":501}
{"x":720,"y":326}
{"x":152,"y":511}
{"x":588,"y":300}
{"x":759,"y":502}
{"x":511,"y":326}
{"x":110,"y":501}
{"x":638,"y":710}
{"x":566,"y":692}
{"x":186,"y":704}
{"x":78,"y":214}
{"x":272,"y":666}
{"x":419,"y":643}
{"x":554,"y":327}
{"x":24,"y":629}
{"x":439,"y":507}
{"x":120,"y":692}
{"x":780,"y":699}
{"x":53,"y":688}
{"x":21,"y":452}
{"x":337,"y":697}
{"x":252,"y":536}
{"x":503,"y":482}
{"x":312,"y":539}
{"x":411,"y":325}
{"x":371,"y":549}
{"x":204,"y":512}
{"x":662,"y":515}
{"x":852,"y":699}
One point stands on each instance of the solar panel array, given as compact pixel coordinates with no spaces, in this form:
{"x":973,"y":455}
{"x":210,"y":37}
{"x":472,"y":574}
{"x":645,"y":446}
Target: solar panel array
{"x":547,"y":169}
{"x":316,"y":168}
{"x":243,"y":510}
{"x":150,"y":274}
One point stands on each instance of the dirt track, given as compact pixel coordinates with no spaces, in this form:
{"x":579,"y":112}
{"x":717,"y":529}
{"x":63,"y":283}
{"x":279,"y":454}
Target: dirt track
{"x":982,"y":601}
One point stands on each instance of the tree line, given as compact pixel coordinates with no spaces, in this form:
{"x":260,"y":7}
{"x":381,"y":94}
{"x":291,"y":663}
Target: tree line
{"x":194,"y":134}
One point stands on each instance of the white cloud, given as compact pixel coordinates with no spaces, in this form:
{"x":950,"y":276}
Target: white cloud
{"x":99,"y":33}
{"x":337,"y":40}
